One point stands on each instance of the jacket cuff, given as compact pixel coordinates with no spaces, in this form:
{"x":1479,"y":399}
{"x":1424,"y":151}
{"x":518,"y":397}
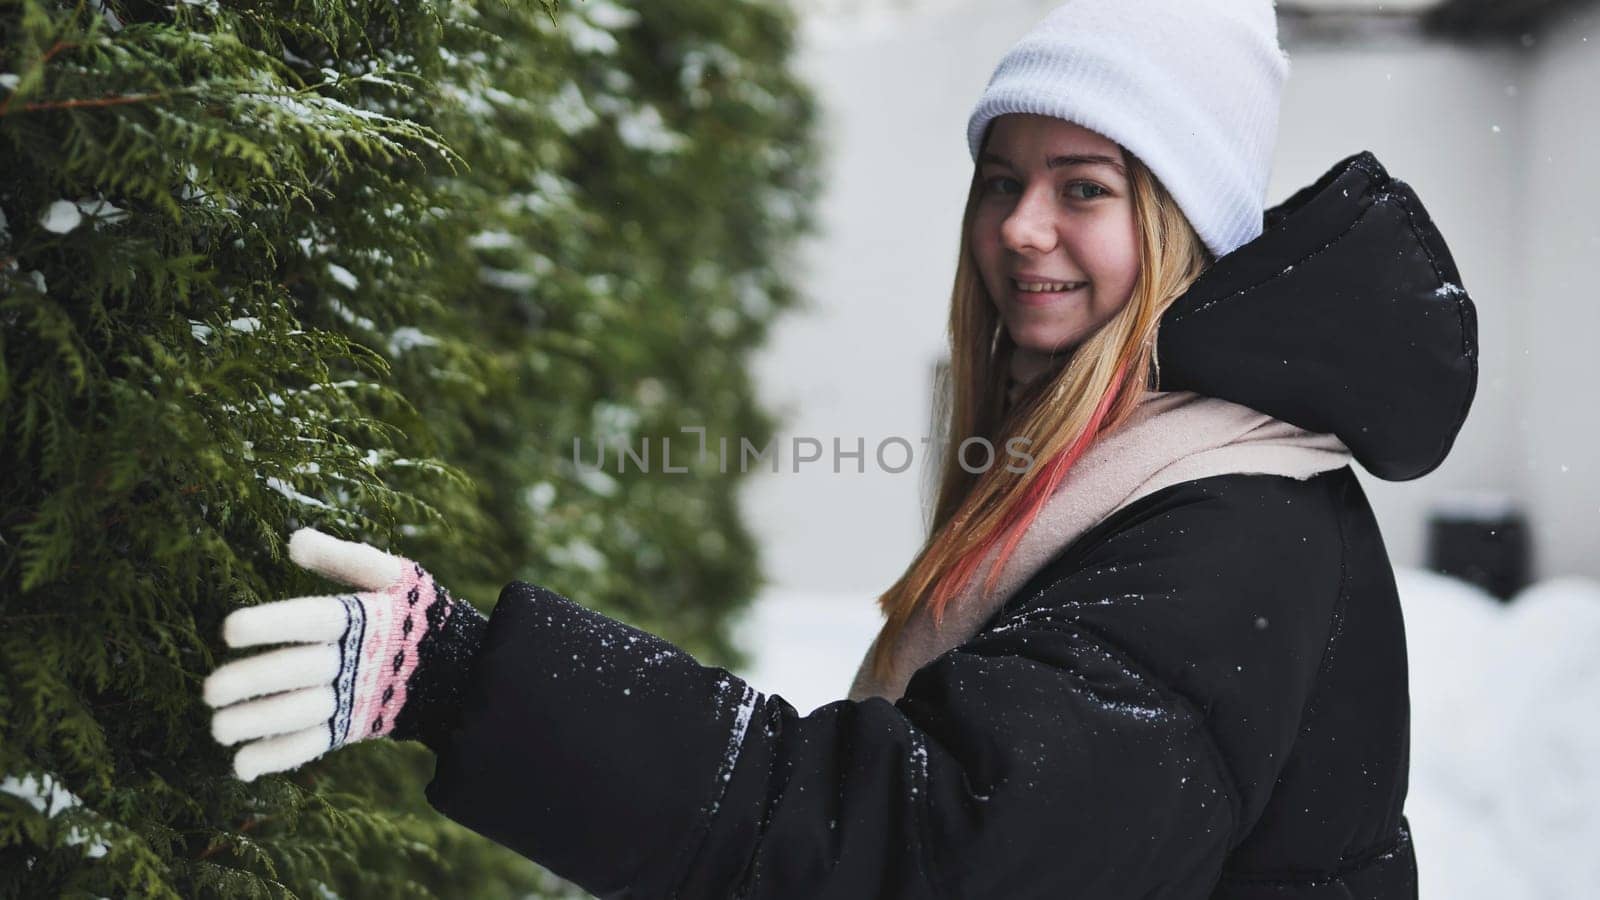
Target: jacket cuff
{"x":444,"y":662}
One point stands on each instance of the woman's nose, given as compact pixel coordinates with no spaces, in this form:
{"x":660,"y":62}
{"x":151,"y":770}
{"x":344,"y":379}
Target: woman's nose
{"x":1030,"y":226}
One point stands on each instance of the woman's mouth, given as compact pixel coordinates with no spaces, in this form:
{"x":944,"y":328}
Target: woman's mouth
{"x":1035,"y":293}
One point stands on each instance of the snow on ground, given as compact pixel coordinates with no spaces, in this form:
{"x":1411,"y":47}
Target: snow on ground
{"x":1505,"y":741}
{"x":1504,"y":800}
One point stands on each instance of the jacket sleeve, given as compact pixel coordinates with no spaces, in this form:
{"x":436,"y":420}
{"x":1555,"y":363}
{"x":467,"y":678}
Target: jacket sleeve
{"x":1044,"y":756}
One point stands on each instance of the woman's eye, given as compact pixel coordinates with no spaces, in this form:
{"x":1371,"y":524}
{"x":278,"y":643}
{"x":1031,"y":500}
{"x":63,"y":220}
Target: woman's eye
{"x":994,"y":184}
{"x":1088,"y":186}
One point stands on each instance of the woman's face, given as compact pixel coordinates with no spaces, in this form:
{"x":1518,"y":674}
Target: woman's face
{"x":1053,"y":234}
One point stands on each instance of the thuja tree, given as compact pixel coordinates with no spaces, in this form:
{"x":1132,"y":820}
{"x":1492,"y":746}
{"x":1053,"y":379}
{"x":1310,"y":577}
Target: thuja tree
{"x":373,"y":267}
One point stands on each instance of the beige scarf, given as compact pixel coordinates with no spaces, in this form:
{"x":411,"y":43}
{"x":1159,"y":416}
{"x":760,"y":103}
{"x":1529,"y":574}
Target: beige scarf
{"x":1171,"y":437}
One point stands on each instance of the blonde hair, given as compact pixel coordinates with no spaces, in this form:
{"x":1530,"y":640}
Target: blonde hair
{"x":1060,"y":415}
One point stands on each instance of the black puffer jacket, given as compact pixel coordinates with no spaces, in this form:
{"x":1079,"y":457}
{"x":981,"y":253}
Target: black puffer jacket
{"x":1204,"y":695}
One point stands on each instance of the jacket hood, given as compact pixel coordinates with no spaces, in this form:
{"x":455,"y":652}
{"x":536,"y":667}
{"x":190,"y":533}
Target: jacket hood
{"x":1346,"y":316}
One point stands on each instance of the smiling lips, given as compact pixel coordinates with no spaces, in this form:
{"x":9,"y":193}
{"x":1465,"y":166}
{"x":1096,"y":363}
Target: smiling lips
{"x":1046,"y":287}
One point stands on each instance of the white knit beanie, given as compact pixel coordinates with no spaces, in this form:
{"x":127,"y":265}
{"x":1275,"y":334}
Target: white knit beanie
{"x":1191,"y":87}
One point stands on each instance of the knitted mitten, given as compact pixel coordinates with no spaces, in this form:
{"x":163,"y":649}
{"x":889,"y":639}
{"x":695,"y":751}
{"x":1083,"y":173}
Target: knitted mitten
{"x":388,"y":661}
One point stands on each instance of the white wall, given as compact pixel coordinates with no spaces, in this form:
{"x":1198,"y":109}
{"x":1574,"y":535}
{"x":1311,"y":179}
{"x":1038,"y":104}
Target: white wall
{"x":1556,"y":294}
{"x":1496,"y":138}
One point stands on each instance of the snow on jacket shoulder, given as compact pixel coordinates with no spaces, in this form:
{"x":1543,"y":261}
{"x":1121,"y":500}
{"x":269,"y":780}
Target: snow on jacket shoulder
{"x":1115,"y":731}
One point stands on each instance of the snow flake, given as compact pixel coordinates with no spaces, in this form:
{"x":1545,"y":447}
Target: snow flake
{"x":504,"y":98}
{"x":492,"y":240}
{"x":407,"y":337}
{"x":644,"y":129}
{"x":351,"y":316}
{"x":580,"y":553}
{"x":571,"y":111}
{"x":697,"y":60}
{"x":540,"y":497}
{"x":597,"y":480}
{"x":614,"y":421}
{"x":34,"y":790}
{"x":47,"y":795}
{"x":286,"y":489}
{"x":650,"y":391}
{"x":102,"y":210}
{"x":1147,"y":713}
{"x":471,"y":101}
{"x":61,"y":217}
{"x":609,"y":15}
{"x":342,"y":275}
{"x":586,"y":38}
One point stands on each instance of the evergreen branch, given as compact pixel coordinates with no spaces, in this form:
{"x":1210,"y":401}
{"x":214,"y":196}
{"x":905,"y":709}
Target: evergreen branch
{"x":121,"y":99}
{"x":91,"y":102}
{"x":38,"y":64}
{"x":221,"y":840}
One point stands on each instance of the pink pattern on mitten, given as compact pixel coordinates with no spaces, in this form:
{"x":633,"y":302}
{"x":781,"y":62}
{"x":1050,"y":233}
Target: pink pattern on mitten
{"x":389,"y":650}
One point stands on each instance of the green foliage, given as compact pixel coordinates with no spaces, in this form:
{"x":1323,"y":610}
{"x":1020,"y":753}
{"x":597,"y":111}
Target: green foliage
{"x":372,"y":267}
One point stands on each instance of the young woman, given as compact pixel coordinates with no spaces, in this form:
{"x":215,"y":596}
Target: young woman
{"x":1164,"y":660}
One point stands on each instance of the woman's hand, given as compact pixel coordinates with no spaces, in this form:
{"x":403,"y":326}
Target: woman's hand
{"x":387,"y":660}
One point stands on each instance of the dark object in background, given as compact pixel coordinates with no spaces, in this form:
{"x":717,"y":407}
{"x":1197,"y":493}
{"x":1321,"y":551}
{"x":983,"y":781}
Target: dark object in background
{"x":1509,"y":19}
{"x":1482,"y":539}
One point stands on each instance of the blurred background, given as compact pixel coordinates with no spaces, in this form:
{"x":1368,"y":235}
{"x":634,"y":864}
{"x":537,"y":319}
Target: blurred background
{"x":1491,"y":110}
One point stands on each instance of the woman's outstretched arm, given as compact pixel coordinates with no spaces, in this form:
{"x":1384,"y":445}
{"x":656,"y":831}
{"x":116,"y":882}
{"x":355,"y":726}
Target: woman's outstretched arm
{"x":1032,"y":759}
